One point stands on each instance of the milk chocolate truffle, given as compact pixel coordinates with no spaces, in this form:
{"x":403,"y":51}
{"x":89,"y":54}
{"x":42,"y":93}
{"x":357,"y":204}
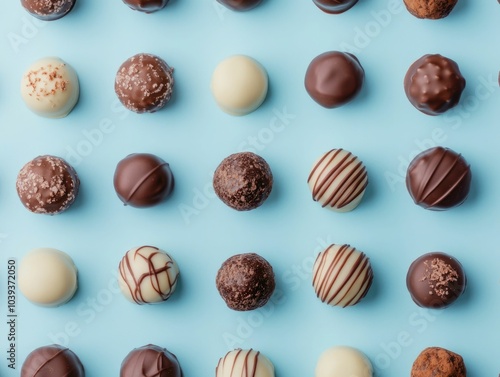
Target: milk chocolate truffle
{"x":50,"y":88}
{"x":143,"y":180}
{"x":144,"y":83}
{"x":244,"y":363}
{"x":239,"y":85}
{"x":245,"y":281}
{"x":146,"y":6}
{"x":52,"y":361}
{"x":240,"y":5}
{"x":338,"y":180}
{"x":47,"y":185}
{"x":434,"y":84}
{"x":243,"y":181}
{"x":150,"y":360}
{"x":48,"y":10}
{"x":438,"y":362}
{"x":431,"y":9}
{"x":47,"y":277}
{"x":438,"y":179}
{"x":335,"y":6}
{"x":342,"y":275}
{"x":147,"y":275}
{"x":435,"y":280}
{"x":334,"y":78}
{"x":343,"y":361}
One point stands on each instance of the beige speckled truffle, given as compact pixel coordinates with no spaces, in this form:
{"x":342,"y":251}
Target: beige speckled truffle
{"x":431,"y":9}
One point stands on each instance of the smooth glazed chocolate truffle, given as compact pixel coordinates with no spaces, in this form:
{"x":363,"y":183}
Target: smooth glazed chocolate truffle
{"x":240,"y":5}
{"x":342,"y":361}
{"x":47,"y":277}
{"x":245,"y":281}
{"x":431,"y":9}
{"x":335,"y":6}
{"x":239,"y":85}
{"x":48,"y":10}
{"x":52,"y":361}
{"x":50,"y":88}
{"x":438,"y":179}
{"x":146,"y":6}
{"x":147,"y":275}
{"x":435,"y":280}
{"x":342,"y":275}
{"x":243,"y":181}
{"x":150,"y":360}
{"x":334,"y":78}
{"x":438,"y":362}
{"x":47,"y":185}
{"x":244,"y":363}
{"x":434,"y":84}
{"x":338,"y":180}
{"x":143,"y":180}
{"x":144,"y":83}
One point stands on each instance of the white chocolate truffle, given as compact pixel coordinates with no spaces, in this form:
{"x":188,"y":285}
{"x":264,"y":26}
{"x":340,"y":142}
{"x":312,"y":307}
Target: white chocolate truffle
{"x":342,"y":361}
{"x":239,"y":85}
{"x":244,"y":363}
{"x":342,"y":275}
{"x":147,"y":275}
{"x":47,"y":277}
{"x":50,"y":88}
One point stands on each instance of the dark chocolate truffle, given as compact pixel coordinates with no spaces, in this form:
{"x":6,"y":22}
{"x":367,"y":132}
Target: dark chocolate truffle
{"x":52,"y":361}
{"x":245,"y":281}
{"x":48,"y":10}
{"x":143,"y":180}
{"x":438,"y":362}
{"x":150,"y":360}
{"x":335,"y":6}
{"x":240,"y":5}
{"x":434,"y":84}
{"x":48,"y":185}
{"x":146,"y":6}
{"x":431,"y":9}
{"x":243,"y":181}
{"x":144,"y":83}
{"x":334,"y":78}
{"x":435,"y":280}
{"x":438,"y":179}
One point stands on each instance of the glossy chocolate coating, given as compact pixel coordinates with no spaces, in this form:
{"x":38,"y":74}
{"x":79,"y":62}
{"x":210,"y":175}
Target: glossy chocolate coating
{"x":435,"y":280}
{"x":143,"y":180}
{"x":335,"y":6}
{"x":430,"y":9}
{"x":438,"y":179}
{"x":245,"y":281}
{"x":240,"y":5}
{"x":146,"y":6}
{"x":48,"y":10}
{"x":243,"y":181}
{"x":150,"y":360}
{"x":434,"y":84}
{"x":334,"y":78}
{"x":52,"y":361}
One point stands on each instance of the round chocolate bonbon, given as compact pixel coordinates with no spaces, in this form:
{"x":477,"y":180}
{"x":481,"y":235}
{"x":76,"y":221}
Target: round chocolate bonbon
{"x":240,"y":5}
{"x":52,"y":361}
{"x":150,"y":360}
{"x":48,"y":10}
{"x":343,"y":361}
{"x":335,"y":6}
{"x":146,"y":6}
{"x":430,"y":9}
{"x":244,"y":363}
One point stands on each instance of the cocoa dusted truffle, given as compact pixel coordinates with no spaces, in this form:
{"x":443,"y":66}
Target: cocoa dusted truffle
{"x":335,"y":6}
{"x":150,"y":360}
{"x":240,"y":5}
{"x":431,"y":9}
{"x":434,"y":84}
{"x":438,"y":179}
{"x":146,"y":6}
{"x":436,"y":280}
{"x":243,"y":181}
{"x":438,"y":362}
{"x":52,"y":361}
{"x":48,"y":10}
{"x":245,"y":281}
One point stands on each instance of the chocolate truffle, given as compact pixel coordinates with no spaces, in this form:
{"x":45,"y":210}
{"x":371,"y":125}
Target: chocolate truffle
{"x":334,"y":78}
{"x":438,"y":179}
{"x":48,"y":10}
{"x":146,"y":6}
{"x":50,"y":88}
{"x":239,"y":85}
{"x":143,"y":180}
{"x":47,"y":185}
{"x":342,"y":361}
{"x":335,"y":6}
{"x":438,"y":362}
{"x":244,"y":363}
{"x":431,"y":9}
{"x":245,"y":281}
{"x":144,"y":83}
{"x":240,"y":5}
{"x":338,"y":180}
{"x":48,"y":277}
{"x":342,"y":275}
{"x":243,"y":181}
{"x":435,"y":280}
{"x":52,"y":361}
{"x":147,"y":275}
{"x":434,"y":84}
{"x":150,"y":360}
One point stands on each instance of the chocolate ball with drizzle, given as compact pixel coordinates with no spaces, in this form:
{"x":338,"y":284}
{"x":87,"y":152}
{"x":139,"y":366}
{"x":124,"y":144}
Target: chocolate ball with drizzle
{"x":52,"y":361}
{"x":146,"y":6}
{"x":150,"y":360}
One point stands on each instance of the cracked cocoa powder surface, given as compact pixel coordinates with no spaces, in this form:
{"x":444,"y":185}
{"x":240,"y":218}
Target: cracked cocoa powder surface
{"x":438,"y":362}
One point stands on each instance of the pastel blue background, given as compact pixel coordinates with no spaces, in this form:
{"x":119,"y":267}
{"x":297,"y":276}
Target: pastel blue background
{"x":193,"y":135}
